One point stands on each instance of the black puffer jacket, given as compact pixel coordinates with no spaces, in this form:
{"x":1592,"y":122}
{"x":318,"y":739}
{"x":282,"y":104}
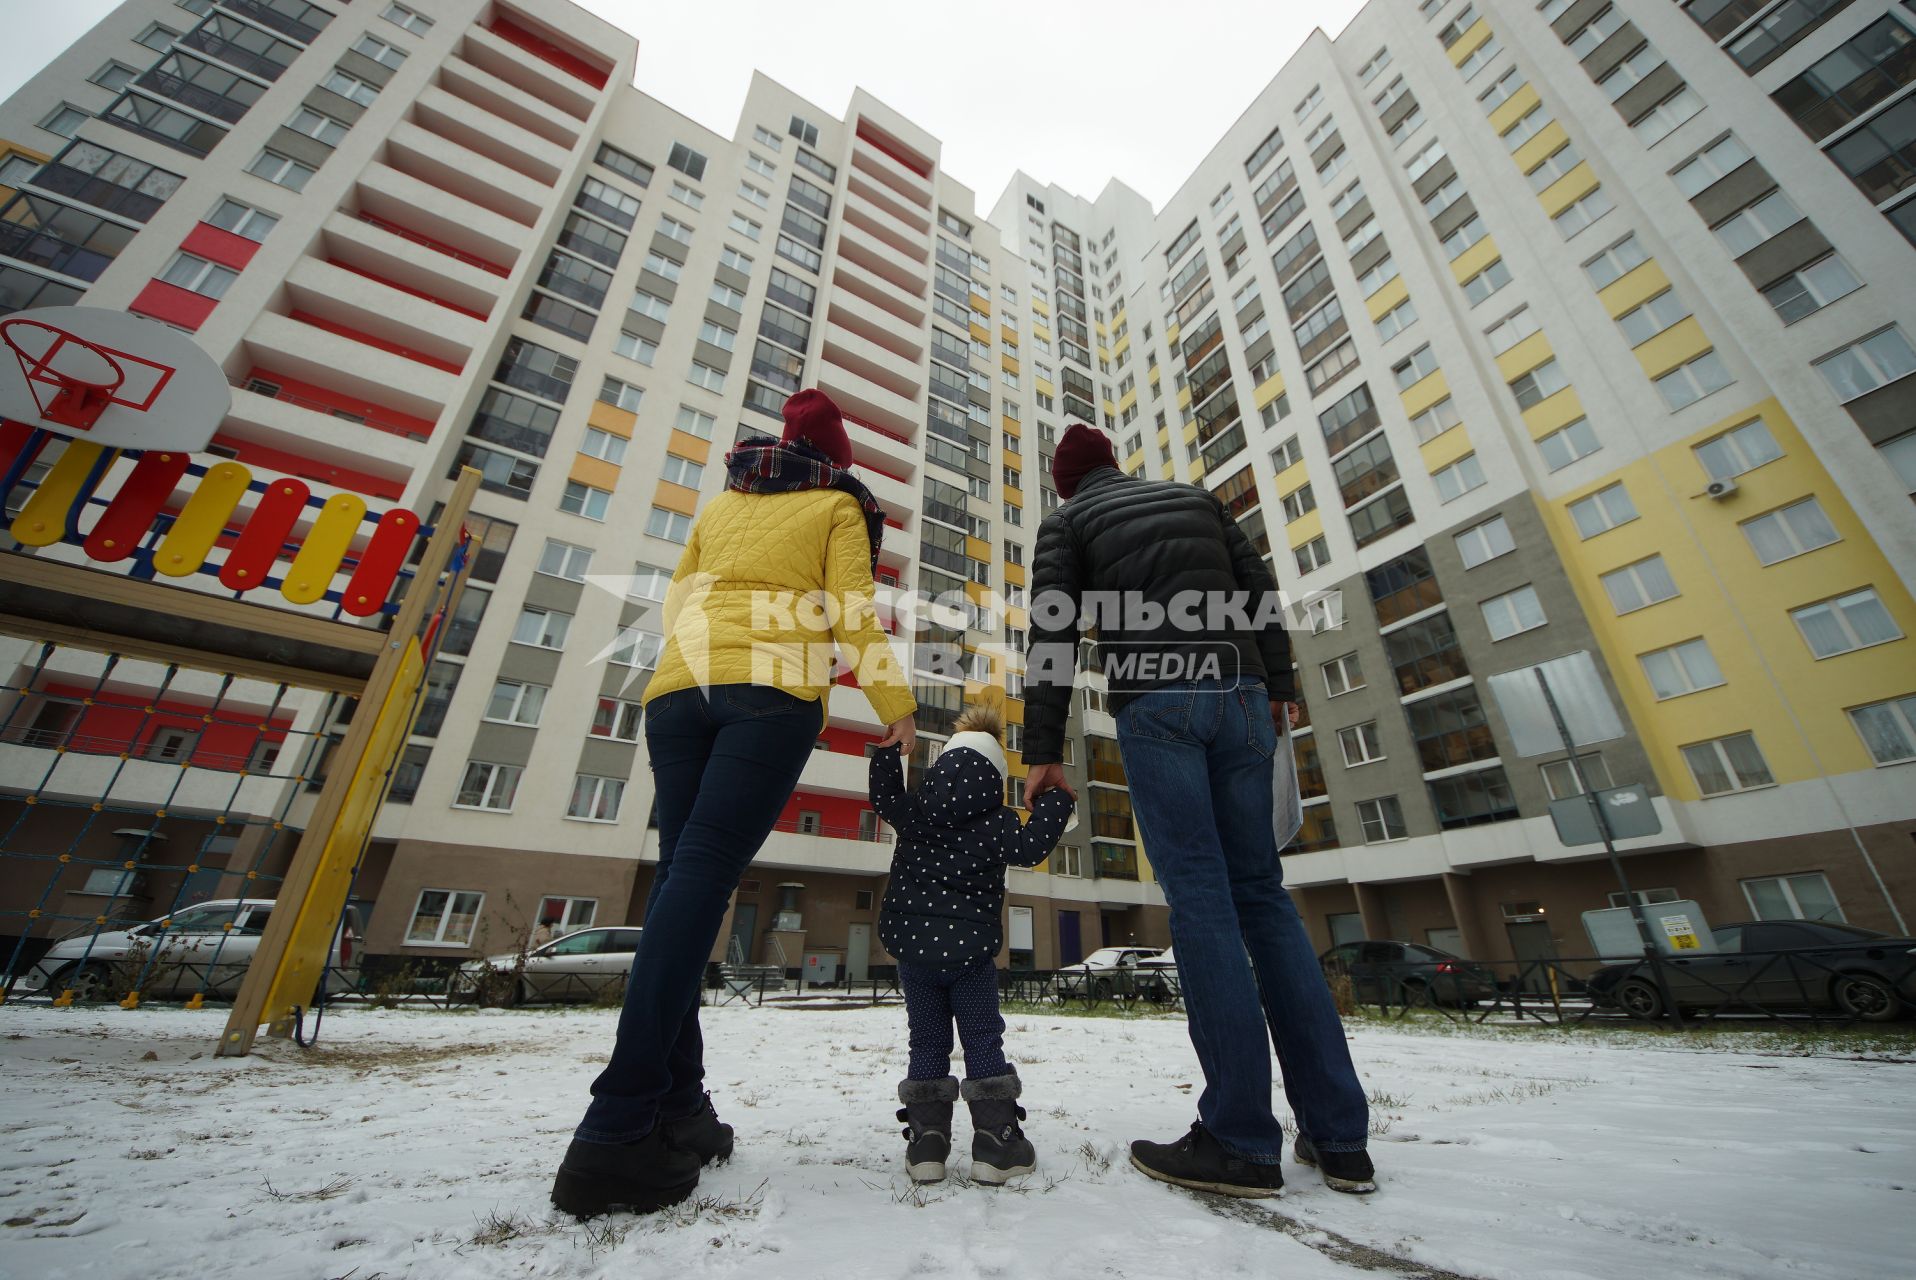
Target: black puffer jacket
{"x":1159,"y":539}
{"x":945,"y":903}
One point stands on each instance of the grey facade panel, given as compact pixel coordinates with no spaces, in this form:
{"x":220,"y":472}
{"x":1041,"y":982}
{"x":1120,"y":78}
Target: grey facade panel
{"x":326,"y":102}
{"x":1396,"y":113}
{"x":1369,"y":256}
{"x":1230,"y":247}
{"x":625,"y":683}
{"x":1258,"y":350}
{"x":360,"y":67}
{"x":658,"y":286}
{"x":502,"y":743}
{"x":1647,"y":92}
{"x":720,"y":314}
{"x":1354,"y":218}
{"x":717,"y":357}
{"x":530,"y":664}
{"x":643,"y":326}
{"x":1461,"y":210}
{"x":1731,"y":192}
{"x":308,"y":151}
{"x":666,"y":247}
{"x":1603,"y":59}
{"x":1252,"y":310}
{"x":1327,"y":148}
{"x":1434,"y":177}
{"x":1795,"y":246}
{"x":1886,"y":412}
{"x":606,"y":758}
{"x":1573,"y":19}
{"x":1324,"y":341}
{"x":733,"y":277}
{"x":1789,"y":42}
{"x":548,"y":592}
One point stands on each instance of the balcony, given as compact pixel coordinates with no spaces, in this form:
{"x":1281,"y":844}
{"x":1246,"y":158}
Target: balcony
{"x":871,"y":361}
{"x":888,"y":451}
{"x":894,"y":175}
{"x":506,"y":100}
{"x":373,"y":249}
{"x":265,"y":413}
{"x":901,"y":271}
{"x":351,"y":368}
{"x":912,"y":245}
{"x":860,"y":397}
{"x":833,"y":849}
{"x":463,"y":172}
{"x":528,"y":72}
{"x":835,"y":773}
{"x":384,"y":315}
{"x":878,"y":291}
{"x":873,"y":193}
{"x":878,"y":326}
{"x":478,"y":130}
{"x":438,"y":220}
{"x":898,"y":497}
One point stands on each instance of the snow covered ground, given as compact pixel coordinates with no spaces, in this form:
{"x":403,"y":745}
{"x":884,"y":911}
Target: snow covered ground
{"x":422,"y":1144}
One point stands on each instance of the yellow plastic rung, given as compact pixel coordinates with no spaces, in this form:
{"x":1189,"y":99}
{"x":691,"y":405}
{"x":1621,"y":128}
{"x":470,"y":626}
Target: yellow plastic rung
{"x":64,"y":1000}
{"x":43,"y":521}
{"x":132,"y":1000}
{"x":325,"y":548}
{"x":201,"y":521}
{"x":198,"y":1001}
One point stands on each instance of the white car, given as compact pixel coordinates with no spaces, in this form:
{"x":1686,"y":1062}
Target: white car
{"x":204,"y":948}
{"x":585,"y":965}
{"x":1106,"y":972}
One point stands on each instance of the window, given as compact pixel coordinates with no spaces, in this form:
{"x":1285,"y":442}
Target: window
{"x":683,"y":471}
{"x":1459,"y":478}
{"x":1554,"y":166}
{"x":634,"y":648}
{"x":704,"y":375}
{"x":443,"y":918}
{"x":1527,"y":126}
{"x":1513,"y":612}
{"x":1511,"y":330}
{"x":686,"y":161}
{"x":718,"y":335}
{"x":351,"y":88}
{"x":1501,"y":89}
{"x":1486,"y":282}
{"x":157,"y":37}
{"x":1313,"y":555}
{"x":379,"y":51}
{"x":1724,"y":765}
{"x":1479,"y":57}
{"x":1805,"y":896}
{"x":1377,"y":277}
{"x":399,"y":14}
{"x":1811,"y":288}
{"x":208,"y":279}
{"x":65,"y":119}
{"x":318,"y":126}
{"x":1360,"y":744}
{"x":1637,"y":586}
{"x":595,"y":799}
{"x":1710,"y":163}
{"x":583,"y":500}
{"x":1690,"y":382}
{"x":1615,"y":262}
{"x":1603,"y":510}
{"x":1341,"y":675}
{"x":1396,"y":320}
{"x":1288,"y":454}
{"x":1311,"y":102}
{"x":1560,"y":781}
{"x":618,"y":720}
{"x":1342,"y":359}
{"x":114,"y":76}
{"x":687,"y":196}
{"x":1425,"y":160}
{"x":1755,"y":223}
{"x":1738,"y":450}
{"x":1585,"y":39}
{"x":1646,"y":320}
{"x":1847,"y":623}
{"x":1568,"y":443}
{"x":1414,"y":367}
{"x":281,"y":170}
{"x":541,"y":628}
{"x":1681,"y":668}
{"x":1383,"y":819}
{"x":242,"y":219}
{"x":516,"y":703}
{"x":603,"y":444}
{"x":1486,"y":541}
{"x":488,"y":786}
{"x":1872,"y":362}
{"x":1298,"y":503}
{"x":669,"y":525}
{"x":1539,"y":384}
{"x":694,"y":422}
{"x":1888,"y":729}
{"x":1378,"y":62}
{"x":1583,"y":212}
{"x":1660,"y":121}
{"x":1464,"y":236}
{"x":1789,"y":531}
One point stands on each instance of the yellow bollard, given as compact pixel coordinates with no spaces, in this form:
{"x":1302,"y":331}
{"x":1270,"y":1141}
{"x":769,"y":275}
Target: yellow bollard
{"x":132,"y":1000}
{"x":64,"y":1000}
{"x":198,"y":1001}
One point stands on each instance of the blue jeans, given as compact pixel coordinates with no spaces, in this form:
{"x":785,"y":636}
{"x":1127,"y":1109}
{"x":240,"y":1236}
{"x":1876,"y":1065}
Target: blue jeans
{"x":933,"y":999}
{"x":1198,"y":757}
{"x":723,"y":768}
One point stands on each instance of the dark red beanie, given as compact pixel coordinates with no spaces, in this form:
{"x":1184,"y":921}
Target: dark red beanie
{"x":812,"y":417}
{"x":1083,"y":450}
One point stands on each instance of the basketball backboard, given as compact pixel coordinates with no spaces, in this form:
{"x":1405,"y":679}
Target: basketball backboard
{"x":152,"y":387}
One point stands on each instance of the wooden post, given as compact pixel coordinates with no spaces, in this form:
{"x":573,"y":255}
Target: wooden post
{"x":249,"y":1008}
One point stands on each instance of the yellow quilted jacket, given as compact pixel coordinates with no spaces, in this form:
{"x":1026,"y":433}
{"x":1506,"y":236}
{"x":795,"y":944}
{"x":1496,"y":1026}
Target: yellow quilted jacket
{"x":769,"y":586}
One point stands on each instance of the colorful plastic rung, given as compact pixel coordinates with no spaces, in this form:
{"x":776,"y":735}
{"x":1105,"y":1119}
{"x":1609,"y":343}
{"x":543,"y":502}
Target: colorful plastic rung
{"x":205,"y":516}
{"x":130,"y":515}
{"x":324,"y":549}
{"x":379,"y":563}
{"x":264,"y":537}
{"x":43,"y":521}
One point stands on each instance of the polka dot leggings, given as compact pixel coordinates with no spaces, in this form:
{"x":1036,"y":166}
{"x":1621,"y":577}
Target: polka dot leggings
{"x":933,"y":999}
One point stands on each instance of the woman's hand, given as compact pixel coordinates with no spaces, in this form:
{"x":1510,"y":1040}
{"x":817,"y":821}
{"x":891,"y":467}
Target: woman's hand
{"x":902,"y":734}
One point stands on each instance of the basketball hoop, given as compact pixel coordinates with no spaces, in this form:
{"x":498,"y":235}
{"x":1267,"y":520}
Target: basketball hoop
{"x":71,"y":399}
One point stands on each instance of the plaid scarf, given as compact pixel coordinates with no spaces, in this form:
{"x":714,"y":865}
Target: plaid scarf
{"x":761,"y":464}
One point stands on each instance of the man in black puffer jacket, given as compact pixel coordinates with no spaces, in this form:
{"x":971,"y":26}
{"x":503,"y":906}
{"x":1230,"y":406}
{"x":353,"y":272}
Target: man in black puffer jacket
{"x":1191,"y":639}
{"x":941,"y":920}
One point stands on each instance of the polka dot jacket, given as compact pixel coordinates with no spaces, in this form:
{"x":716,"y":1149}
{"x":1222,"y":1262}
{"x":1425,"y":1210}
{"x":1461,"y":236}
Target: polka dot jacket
{"x":944,"y":906}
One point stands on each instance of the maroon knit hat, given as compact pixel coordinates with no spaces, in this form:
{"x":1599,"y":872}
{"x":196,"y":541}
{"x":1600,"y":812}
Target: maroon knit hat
{"x":812,"y":417}
{"x":1083,"y":450}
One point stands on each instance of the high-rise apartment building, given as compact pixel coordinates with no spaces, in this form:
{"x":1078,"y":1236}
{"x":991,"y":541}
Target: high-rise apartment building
{"x":1596,"y":346}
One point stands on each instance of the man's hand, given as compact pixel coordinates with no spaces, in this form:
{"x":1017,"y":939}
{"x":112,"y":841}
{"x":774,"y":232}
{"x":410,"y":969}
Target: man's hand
{"x":1043,"y":778}
{"x":902,"y":734}
{"x":1284,"y":713}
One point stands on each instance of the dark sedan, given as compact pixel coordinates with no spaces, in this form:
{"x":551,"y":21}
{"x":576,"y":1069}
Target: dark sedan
{"x":1408,"y":973}
{"x":1776,"y":966}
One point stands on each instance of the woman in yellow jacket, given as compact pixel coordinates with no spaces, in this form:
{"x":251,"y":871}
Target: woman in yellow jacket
{"x":776,"y":581}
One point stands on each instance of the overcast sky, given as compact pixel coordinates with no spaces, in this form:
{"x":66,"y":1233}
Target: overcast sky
{"x":1070,"y":91}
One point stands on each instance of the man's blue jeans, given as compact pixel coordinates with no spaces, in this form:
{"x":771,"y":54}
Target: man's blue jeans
{"x":1198,"y":757}
{"x":723,"y":766}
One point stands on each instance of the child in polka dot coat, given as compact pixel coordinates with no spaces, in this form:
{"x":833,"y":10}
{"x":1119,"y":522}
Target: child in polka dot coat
{"x":942,"y":921}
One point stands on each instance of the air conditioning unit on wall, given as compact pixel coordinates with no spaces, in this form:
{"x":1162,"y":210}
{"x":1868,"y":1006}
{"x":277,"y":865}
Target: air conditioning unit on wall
{"x":1719,"y":489}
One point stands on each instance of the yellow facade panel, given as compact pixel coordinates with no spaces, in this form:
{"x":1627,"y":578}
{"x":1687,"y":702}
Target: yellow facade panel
{"x":979,"y":332}
{"x":1524,"y":357}
{"x":1009,"y":363}
{"x":1568,"y":189}
{"x":1474,"y":259}
{"x":1682,"y":341}
{"x":676,"y":497}
{"x":1553,"y":412}
{"x":1014,"y":575}
{"x":687,"y":445}
{"x":1268,"y":390}
{"x":1393,"y":292}
{"x":596,"y":472}
{"x":1641,"y":283}
{"x":1291,"y":479}
{"x":1512,"y":109}
{"x":1532,"y":153}
{"x":1443,"y":449}
{"x":1425,"y":392}
{"x":1304,"y":528}
{"x":1470,"y":41}
{"x":611,"y":418}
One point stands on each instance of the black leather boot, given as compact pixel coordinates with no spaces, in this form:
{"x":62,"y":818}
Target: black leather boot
{"x":927,"y":1117}
{"x":999,"y":1149}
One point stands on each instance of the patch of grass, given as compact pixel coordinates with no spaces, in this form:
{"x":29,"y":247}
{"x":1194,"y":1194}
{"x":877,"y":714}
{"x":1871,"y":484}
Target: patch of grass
{"x":1388,"y":1101}
{"x":1752,"y":1036}
{"x":707,"y":1208}
{"x":1096,"y":1162}
{"x":1521,"y":1091}
{"x":496,"y":1229}
{"x":337,"y":1187}
{"x":1139,"y":1011}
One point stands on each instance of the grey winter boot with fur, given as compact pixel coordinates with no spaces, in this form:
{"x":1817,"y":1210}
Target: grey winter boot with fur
{"x":927,"y":1117}
{"x":999,"y":1148}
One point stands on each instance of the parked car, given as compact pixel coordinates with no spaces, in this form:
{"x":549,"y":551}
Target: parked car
{"x":1408,"y":973}
{"x":1105,"y":973}
{"x":202,"y":948}
{"x":1816,"y":965}
{"x":1157,"y":977}
{"x":584,"y":965}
